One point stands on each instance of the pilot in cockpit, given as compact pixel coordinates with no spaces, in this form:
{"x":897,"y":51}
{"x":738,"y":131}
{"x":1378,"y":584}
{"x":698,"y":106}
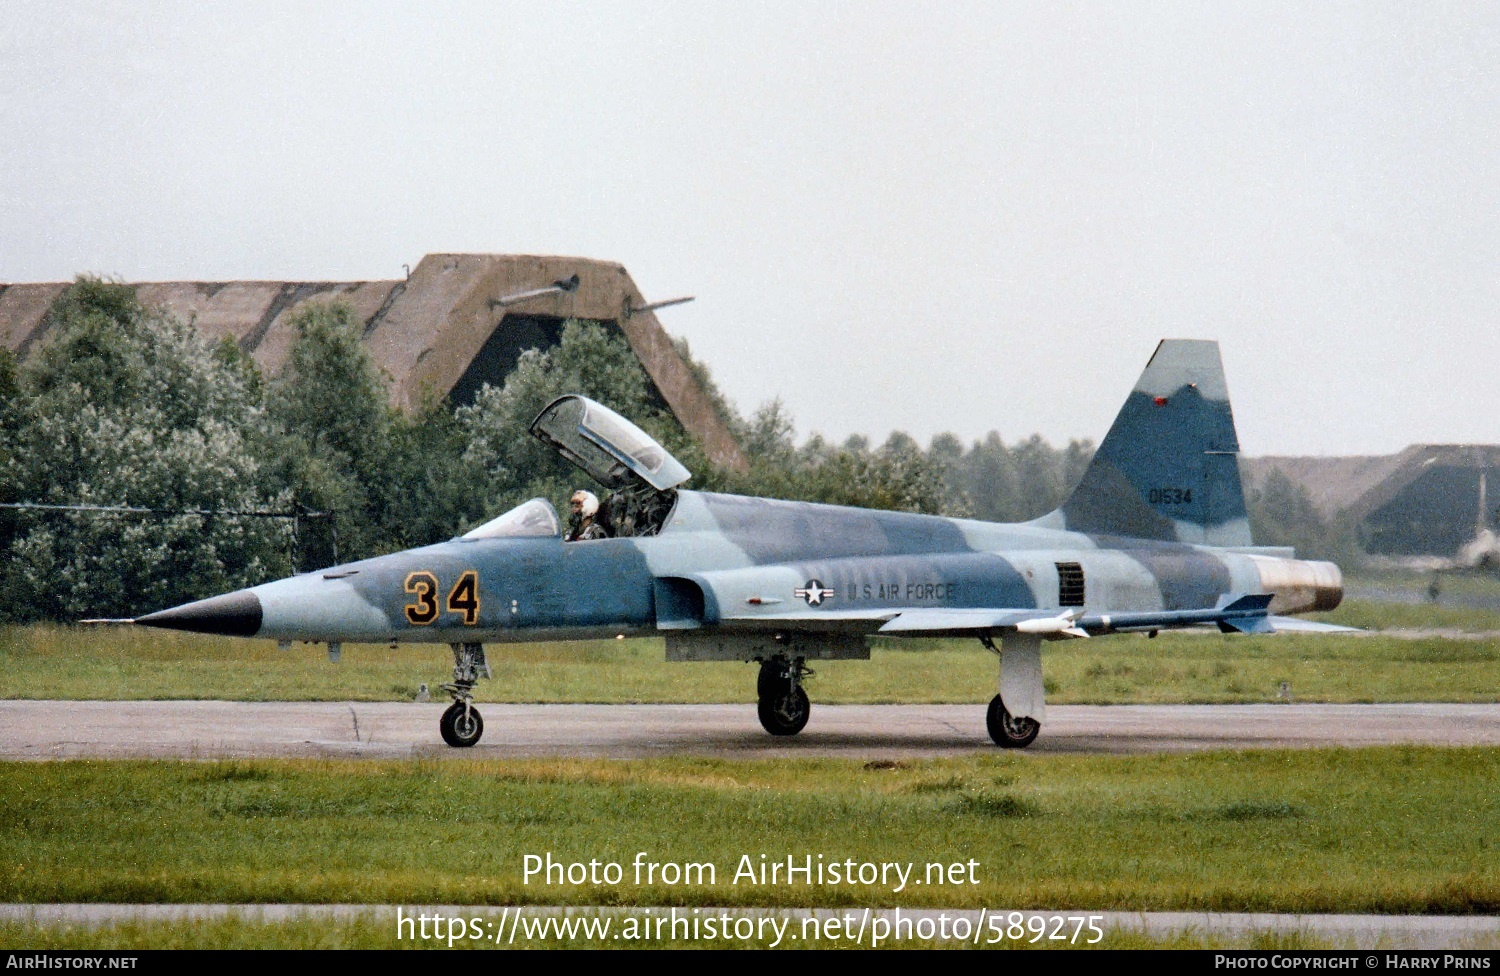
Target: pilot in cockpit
{"x":584,"y":522}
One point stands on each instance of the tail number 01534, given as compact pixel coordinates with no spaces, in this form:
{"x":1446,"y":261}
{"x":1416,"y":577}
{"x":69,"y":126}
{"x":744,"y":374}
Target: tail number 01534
{"x":463,"y":599}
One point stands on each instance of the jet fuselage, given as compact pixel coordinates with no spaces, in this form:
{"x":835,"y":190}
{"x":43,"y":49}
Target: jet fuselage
{"x":751,"y":557}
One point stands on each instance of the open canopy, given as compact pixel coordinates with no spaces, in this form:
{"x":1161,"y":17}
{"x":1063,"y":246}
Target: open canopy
{"x":610,"y":449}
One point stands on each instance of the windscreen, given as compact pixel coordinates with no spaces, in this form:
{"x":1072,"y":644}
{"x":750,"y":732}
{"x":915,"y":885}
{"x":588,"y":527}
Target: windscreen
{"x":534,"y":519}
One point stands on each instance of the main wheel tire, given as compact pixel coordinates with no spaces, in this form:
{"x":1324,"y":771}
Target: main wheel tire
{"x":785,"y":714}
{"x":461,"y":727}
{"x":1008,"y":731}
{"x":772,"y":681}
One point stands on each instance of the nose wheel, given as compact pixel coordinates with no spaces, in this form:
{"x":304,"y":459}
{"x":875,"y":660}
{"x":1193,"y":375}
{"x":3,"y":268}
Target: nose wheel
{"x":783,"y":708}
{"x":461,"y":726}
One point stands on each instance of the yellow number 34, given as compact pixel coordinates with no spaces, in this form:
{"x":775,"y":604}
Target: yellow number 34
{"x":462,"y":599}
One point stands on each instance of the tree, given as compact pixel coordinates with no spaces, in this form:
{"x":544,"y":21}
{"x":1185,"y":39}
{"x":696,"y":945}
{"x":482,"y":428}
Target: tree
{"x":1010,"y":484}
{"x":897,"y":476}
{"x":1282,"y":513}
{"x":128,"y":406}
{"x":430,"y":489}
{"x":768,"y":442}
{"x":329,"y":434}
{"x":12,"y":414}
{"x":391,"y":480}
{"x":589,"y":360}
{"x":124,"y":407}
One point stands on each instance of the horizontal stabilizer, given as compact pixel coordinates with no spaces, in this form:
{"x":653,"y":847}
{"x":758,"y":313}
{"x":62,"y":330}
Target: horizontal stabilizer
{"x":1246,"y":614}
{"x":1292,"y":625}
{"x":1246,"y":625}
{"x":1249,"y":603}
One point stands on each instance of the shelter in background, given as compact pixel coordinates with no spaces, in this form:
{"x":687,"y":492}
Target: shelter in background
{"x":457,"y":322}
{"x":1428,"y":500}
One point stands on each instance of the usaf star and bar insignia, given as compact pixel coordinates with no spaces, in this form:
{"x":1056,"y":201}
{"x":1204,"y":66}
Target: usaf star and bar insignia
{"x":813,"y":592}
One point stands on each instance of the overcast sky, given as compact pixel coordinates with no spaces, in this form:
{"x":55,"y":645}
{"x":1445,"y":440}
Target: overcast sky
{"x":894,"y":216}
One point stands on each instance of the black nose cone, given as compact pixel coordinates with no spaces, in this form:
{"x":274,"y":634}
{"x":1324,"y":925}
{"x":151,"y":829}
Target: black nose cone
{"x":233,"y":614}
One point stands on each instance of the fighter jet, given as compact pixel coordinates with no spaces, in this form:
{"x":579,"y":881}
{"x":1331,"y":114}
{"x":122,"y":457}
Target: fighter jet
{"x":1480,"y":556}
{"x":1154,"y":537}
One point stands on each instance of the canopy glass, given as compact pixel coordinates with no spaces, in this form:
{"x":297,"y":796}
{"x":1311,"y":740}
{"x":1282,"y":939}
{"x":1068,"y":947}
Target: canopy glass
{"x":610,"y":449}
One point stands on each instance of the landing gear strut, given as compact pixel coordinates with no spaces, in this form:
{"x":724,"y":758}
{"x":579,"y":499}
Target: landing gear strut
{"x":1021,"y":681}
{"x":461,"y":725}
{"x":784,"y":708}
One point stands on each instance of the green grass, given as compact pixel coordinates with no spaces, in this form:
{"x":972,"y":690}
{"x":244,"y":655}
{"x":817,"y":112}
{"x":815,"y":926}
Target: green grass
{"x":366,"y":932}
{"x":1404,"y":830}
{"x":1377,"y":615}
{"x":127,"y":663}
{"x":370,"y":933}
{"x":1401,"y":830}
{"x":1414,"y":584}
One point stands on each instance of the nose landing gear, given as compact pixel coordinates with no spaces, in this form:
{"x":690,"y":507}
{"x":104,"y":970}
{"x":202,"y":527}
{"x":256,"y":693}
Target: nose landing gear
{"x":461,"y":725}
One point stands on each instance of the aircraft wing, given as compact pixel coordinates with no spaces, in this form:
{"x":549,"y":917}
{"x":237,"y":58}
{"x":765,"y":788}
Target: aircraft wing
{"x":1238,"y":613}
{"x":932,"y":622}
{"x":757,"y":599}
{"x":1242,"y":614}
{"x":895,"y":621}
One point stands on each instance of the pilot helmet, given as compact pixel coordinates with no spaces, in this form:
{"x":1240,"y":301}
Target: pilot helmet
{"x":588,"y":504}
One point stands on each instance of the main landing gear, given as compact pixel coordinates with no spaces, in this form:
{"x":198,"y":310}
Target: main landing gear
{"x":1008,"y":731}
{"x":1021,"y":684}
{"x":784,"y":708}
{"x":461,"y":725}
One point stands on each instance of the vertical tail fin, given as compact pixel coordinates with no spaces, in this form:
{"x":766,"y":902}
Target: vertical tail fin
{"x":1169,"y":466}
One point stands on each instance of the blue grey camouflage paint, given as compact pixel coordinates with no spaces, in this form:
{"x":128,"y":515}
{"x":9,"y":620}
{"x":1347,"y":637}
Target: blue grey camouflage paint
{"x":1168,"y":468}
{"x":1157,"y":526}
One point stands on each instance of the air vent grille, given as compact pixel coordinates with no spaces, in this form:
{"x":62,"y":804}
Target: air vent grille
{"x":1070,"y":590}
